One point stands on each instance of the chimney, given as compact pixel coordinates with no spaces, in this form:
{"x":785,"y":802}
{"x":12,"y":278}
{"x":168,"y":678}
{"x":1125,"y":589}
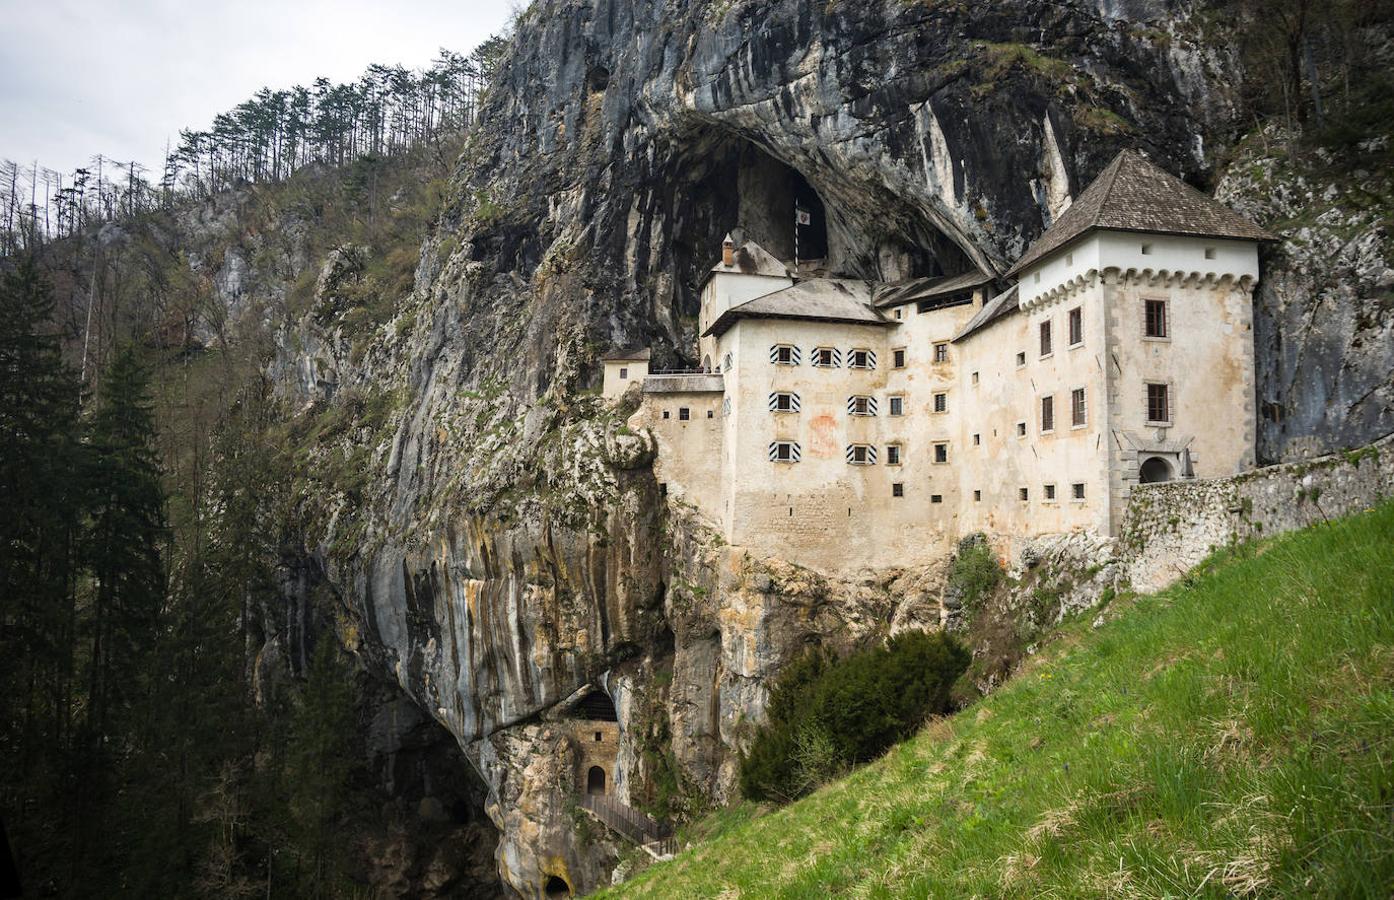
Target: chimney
{"x":728,"y":252}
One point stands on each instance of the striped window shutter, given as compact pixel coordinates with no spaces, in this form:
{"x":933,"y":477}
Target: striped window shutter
{"x":868,"y":449}
{"x":835,"y":355}
{"x":870,"y":358}
{"x":795,"y":454}
{"x":795,"y":356}
{"x":793,"y":401}
{"x":871,"y":405}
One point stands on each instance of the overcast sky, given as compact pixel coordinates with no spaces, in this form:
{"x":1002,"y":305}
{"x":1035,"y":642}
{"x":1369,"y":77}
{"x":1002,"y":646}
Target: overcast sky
{"x":118,"y":77}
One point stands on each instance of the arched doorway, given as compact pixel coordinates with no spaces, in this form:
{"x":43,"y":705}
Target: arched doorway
{"x":595,"y":780}
{"x":556,"y":887}
{"x":1155,"y":470}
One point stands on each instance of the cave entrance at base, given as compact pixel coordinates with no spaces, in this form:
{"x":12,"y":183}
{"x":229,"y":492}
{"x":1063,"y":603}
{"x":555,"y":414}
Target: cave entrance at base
{"x":1155,"y":470}
{"x":556,"y":887}
{"x":595,"y":780}
{"x":597,"y":707}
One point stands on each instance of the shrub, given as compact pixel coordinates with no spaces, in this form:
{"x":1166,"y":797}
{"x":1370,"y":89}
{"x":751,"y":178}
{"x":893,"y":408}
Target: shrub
{"x":975,"y":572}
{"x":827,"y":714}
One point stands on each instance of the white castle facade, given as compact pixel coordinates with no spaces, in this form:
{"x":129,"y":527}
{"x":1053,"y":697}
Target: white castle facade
{"x":843,"y":425}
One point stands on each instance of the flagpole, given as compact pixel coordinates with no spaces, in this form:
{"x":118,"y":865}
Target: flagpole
{"x":796,"y":239}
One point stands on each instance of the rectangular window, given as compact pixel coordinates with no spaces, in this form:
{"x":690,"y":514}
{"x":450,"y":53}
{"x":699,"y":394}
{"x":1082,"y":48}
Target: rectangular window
{"x":1158,"y":404}
{"x":1021,"y":429}
{"x":683,"y":414}
{"x":975,"y":377}
{"x":892,"y":454}
{"x":1021,"y":359}
{"x":784,"y":402}
{"x":711,"y":414}
{"x":1047,"y":414}
{"x":861,"y":406}
{"x":977,"y":496}
{"x":784,"y":452}
{"x":1076,"y":327}
{"x":1050,"y":492}
{"x":898,"y":359}
{"x":862,"y":359}
{"x":897,"y":406}
{"x":827,"y":358}
{"x":941,"y":402}
{"x":1077,"y":490}
{"x":1155,"y":321}
{"x":861,"y":454}
{"x":624,"y":372}
{"x":897,"y":489}
{"x":1209,"y":252}
{"x":977,"y":440}
{"x":936,"y":498}
{"x":665,"y":414}
{"x":941,"y":453}
{"x":1079,"y":410}
{"x":1146,"y":249}
{"x":941,"y":352}
{"x":1023,"y":494}
{"x":784,"y":355}
{"x":1047,"y":345}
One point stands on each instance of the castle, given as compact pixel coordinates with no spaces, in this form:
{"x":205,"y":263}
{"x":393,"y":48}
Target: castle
{"x":844,"y":425}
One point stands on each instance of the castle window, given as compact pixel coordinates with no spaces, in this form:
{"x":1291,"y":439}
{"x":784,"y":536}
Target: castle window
{"x":975,"y":378}
{"x":898,"y":358}
{"x":1050,"y":492}
{"x":897,"y":406}
{"x":1158,"y":404}
{"x":1076,"y":327}
{"x":941,"y":402}
{"x":1077,"y":490}
{"x":892,"y":454}
{"x":726,"y":363}
{"x":941,"y":352}
{"x":1079,"y":410}
{"x":1069,"y":259}
{"x":899,"y":312}
{"x":1209,"y":252}
{"x":1021,"y":429}
{"x":862,"y":359}
{"x":1047,"y":344}
{"x":898,"y":489}
{"x":977,"y":496}
{"x":827,"y":358}
{"x":977,"y":439}
{"x":861,"y":455}
{"x":784,"y":355}
{"x":684,"y":414}
{"x":666,"y":414}
{"x":941,"y":453}
{"x":784,"y":402}
{"x":860,"y":405}
{"x":624,"y":372}
{"x":784,"y":452}
{"x":936,"y":498}
{"x":1146,"y":249}
{"x":1047,"y":414}
{"x":711,"y":414}
{"x":1023,"y":494}
{"x":1155,"y":319}
{"x":1021,"y":359}
{"x":597,"y":737}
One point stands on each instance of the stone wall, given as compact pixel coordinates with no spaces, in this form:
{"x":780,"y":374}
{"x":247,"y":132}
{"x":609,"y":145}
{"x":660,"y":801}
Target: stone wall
{"x":1169,"y":528}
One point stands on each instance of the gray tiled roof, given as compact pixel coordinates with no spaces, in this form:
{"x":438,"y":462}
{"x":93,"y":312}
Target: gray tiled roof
{"x":819,"y":299}
{"x":1131,"y":194}
{"x":1004,"y":304}
{"x":752,"y":259}
{"x":918,"y":289}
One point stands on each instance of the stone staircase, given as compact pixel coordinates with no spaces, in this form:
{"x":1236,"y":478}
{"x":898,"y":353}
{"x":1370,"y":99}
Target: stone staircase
{"x":654,"y":836}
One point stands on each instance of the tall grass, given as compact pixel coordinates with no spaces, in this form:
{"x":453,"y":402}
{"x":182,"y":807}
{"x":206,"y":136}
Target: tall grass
{"x":1233,"y":736}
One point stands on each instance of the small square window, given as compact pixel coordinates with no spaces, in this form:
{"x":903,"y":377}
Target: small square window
{"x":1050,"y":492}
{"x":1077,"y":490}
{"x":825,"y":358}
{"x":1146,"y":249}
{"x":1021,"y":359}
{"x":862,"y":359}
{"x":711,"y":414}
{"x":977,"y":440}
{"x":936,"y":498}
{"x":1023,"y":494}
{"x":977,"y":496}
{"x":784,"y":451}
{"x":897,"y":406}
{"x":860,"y":455}
{"x":624,"y":372}
{"x":941,"y":453}
{"x":666,"y":414}
{"x":897,"y":489}
{"x":1209,"y":252}
{"x":1021,"y":429}
{"x":784,"y":355}
{"x":941,"y":352}
{"x":597,"y":737}
{"x":683,"y":414}
{"x":892,"y":454}
{"x":941,"y":402}
{"x":898,"y":359}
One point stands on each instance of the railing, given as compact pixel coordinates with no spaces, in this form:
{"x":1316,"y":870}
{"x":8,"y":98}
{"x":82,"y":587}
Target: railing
{"x":683,"y":372}
{"x":630,"y":823}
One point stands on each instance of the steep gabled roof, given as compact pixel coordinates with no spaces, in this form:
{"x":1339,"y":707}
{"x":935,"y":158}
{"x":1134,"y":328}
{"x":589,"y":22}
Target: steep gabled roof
{"x":752,"y":259}
{"x":1131,"y":194}
{"x":818,"y":299}
{"x":1004,"y":304}
{"x":937,"y":286}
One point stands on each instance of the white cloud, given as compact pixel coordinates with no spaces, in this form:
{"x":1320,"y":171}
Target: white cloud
{"x":81,"y":77}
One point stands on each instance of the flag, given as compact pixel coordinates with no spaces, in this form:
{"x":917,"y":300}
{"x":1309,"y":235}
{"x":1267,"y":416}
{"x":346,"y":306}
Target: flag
{"x":802,"y":216}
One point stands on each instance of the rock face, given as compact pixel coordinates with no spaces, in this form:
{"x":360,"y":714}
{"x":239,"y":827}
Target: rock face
{"x":497,"y":537}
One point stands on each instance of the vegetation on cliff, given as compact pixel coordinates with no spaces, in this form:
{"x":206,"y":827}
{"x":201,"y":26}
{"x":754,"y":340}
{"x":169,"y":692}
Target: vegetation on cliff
{"x":1233,"y":735}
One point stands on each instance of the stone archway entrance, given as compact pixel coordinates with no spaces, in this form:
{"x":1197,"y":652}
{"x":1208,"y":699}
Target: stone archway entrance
{"x":595,"y":780}
{"x":1155,"y":470}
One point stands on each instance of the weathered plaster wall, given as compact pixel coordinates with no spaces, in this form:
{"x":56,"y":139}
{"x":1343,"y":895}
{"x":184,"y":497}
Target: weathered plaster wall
{"x":1168,"y":528}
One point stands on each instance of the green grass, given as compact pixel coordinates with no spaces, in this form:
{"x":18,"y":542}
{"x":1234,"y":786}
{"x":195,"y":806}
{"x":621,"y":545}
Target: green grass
{"x":1233,"y":736}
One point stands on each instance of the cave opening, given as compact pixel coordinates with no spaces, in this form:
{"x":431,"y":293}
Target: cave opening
{"x":556,"y":886}
{"x":596,"y":706}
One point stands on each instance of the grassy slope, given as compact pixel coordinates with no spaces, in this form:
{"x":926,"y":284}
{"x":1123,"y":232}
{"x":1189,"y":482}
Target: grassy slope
{"x":1231,"y":736}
